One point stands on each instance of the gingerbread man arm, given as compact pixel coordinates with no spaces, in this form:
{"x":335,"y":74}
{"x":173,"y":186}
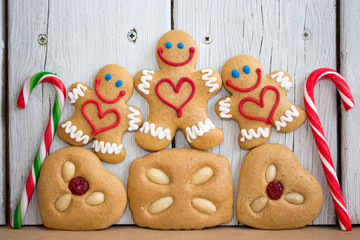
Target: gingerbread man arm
{"x":143,"y":81}
{"x":282,"y":79}
{"x":211,"y":79}
{"x":224,"y":107}
{"x":76,"y":91}
{"x":134,"y":118}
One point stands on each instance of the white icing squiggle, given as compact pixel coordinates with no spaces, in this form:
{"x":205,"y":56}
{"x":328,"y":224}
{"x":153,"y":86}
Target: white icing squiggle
{"x":107,"y":147}
{"x":199,"y":129}
{"x":77,"y":135}
{"x":224,"y":108}
{"x":159,"y":132}
{"x":144,"y":85}
{"x":76,"y":92}
{"x":287,"y":118}
{"x":284,"y":81}
{"x":209,"y":80}
{"x":251,"y":133}
{"x":133,"y":119}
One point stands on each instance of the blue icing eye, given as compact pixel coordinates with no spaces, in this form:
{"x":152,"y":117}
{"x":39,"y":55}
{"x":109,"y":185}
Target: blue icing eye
{"x":246,"y":69}
{"x":168,"y":45}
{"x":108,"y":77}
{"x":180,"y":45}
{"x":118,"y":83}
{"x":235,"y":73}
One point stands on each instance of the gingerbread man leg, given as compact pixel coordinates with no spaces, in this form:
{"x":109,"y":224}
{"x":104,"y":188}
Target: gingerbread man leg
{"x":202,"y":134}
{"x":109,"y":148}
{"x":253,"y":134}
{"x":155,"y":134}
{"x":288,"y":117}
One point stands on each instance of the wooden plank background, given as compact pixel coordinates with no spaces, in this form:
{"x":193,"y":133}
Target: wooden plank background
{"x":3,"y":114}
{"x":296,"y":36}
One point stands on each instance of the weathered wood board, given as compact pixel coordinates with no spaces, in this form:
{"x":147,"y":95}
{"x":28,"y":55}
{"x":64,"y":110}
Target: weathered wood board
{"x":82,"y":38}
{"x":349,"y":65}
{"x":296,"y":36}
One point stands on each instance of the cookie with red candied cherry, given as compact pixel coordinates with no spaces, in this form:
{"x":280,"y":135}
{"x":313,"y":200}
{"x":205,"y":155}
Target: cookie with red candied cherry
{"x":257,"y":101}
{"x":274,"y":192}
{"x":77,"y":193}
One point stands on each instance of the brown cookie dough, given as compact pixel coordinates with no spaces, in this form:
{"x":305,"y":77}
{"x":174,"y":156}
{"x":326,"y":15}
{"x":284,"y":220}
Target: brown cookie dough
{"x":180,"y":189}
{"x":77,"y":193}
{"x":274,"y":192}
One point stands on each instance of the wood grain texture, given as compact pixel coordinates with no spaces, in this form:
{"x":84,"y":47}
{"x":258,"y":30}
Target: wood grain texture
{"x":2,"y":115}
{"x":349,"y":62}
{"x":273,"y":32}
{"x":82,"y":38}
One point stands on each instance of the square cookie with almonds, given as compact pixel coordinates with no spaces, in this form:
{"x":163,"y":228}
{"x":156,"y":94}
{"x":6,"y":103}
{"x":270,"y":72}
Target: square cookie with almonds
{"x":274,"y":192}
{"x":180,"y":189}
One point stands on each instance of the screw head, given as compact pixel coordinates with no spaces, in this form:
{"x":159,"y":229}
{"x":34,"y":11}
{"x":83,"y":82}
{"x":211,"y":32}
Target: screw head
{"x":306,"y":35}
{"x":132,"y":35}
{"x":207,"y":39}
{"x":42,"y":39}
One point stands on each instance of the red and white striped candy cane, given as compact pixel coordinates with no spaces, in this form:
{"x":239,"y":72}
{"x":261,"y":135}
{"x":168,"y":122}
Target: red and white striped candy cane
{"x":41,"y":153}
{"x":320,"y":139}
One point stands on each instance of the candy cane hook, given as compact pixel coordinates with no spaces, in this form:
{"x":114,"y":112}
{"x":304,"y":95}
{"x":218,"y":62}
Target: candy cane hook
{"x":46,"y":140}
{"x":320,"y":139}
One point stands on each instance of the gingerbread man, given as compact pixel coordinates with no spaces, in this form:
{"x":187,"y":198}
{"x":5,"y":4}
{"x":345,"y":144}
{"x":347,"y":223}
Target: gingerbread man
{"x":177,"y":95}
{"x":102,"y":114}
{"x":257,"y":101}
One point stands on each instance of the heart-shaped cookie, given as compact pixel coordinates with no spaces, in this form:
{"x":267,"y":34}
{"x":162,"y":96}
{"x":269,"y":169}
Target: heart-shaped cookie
{"x":176,"y":90}
{"x":77,"y":193}
{"x":101,"y":116}
{"x":274,"y":192}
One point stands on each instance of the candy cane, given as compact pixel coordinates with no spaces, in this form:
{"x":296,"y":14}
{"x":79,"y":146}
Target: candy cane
{"x":320,"y":139}
{"x":46,"y":140}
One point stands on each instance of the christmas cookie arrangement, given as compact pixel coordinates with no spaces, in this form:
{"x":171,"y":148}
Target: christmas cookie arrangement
{"x":180,"y":189}
{"x":177,"y":96}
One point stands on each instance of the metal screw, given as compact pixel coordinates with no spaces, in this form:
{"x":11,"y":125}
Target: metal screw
{"x":42,"y":39}
{"x":306,"y":35}
{"x":132,"y":35}
{"x":207,"y":39}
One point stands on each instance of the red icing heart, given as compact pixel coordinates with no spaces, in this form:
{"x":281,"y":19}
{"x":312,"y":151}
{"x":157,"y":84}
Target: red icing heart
{"x":268,"y":120}
{"x":101,"y":116}
{"x":176,"y":90}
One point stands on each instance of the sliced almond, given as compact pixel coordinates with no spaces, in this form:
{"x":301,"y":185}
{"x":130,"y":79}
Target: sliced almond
{"x":203,"y":205}
{"x":258,"y":204}
{"x":294,"y":198}
{"x":202,"y":175}
{"x":161,"y":205}
{"x":270,"y":173}
{"x":157,"y":176}
{"x":68,"y":171}
{"x":95,"y":198}
{"x":63,"y":202}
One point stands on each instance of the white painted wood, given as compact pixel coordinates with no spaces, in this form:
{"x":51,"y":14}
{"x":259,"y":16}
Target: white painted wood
{"x":350,"y":151}
{"x":82,"y":37}
{"x":2,"y":115}
{"x":271,"y":31}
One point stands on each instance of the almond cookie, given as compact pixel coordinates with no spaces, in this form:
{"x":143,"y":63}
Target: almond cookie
{"x":274,"y":192}
{"x":258,"y":101}
{"x":102,"y":114}
{"x":180,"y":189}
{"x":77,"y":193}
{"x":177,"y":95}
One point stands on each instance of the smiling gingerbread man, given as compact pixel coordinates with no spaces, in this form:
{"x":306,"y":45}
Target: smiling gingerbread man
{"x":177,"y":95}
{"x":102,"y":114}
{"x":258,"y":101}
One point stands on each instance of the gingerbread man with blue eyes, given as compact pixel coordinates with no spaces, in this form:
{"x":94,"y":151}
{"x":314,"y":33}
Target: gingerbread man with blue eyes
{"x":258,"y":102}
{"x":177,"y":95}
{"x":102,"y":114}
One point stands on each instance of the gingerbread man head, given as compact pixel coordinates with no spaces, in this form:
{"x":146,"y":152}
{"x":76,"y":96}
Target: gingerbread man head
{"x":113,"y":83}
{"x":242,"y":73}
{"x":176,"y":49}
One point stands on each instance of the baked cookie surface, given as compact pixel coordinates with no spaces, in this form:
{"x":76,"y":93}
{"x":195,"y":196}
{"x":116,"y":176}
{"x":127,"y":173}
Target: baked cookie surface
{"x":180,"y":189}
{"x":274,"y":192}
{"x":77,"y":193}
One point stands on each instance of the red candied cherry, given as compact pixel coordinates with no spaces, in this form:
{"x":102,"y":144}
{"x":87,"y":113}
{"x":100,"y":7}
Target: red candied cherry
{"x":274,"y":190}
{"x":78,"y":186}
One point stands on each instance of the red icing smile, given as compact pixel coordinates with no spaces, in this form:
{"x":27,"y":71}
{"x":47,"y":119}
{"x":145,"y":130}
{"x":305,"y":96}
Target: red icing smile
{"x":121,"y":93}
{"x":191,"y":50}
{"x":230,"y":84}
